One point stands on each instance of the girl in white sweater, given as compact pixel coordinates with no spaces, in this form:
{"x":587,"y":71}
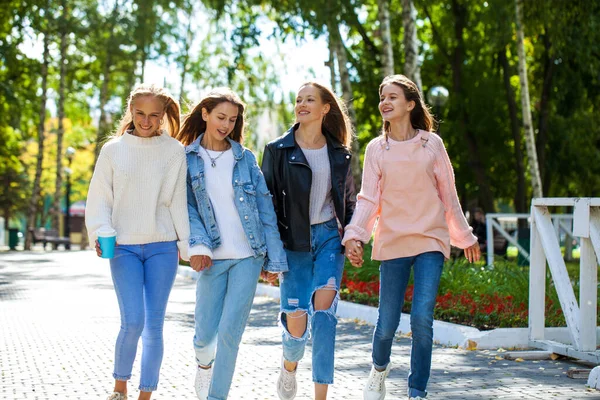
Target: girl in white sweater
{"x":139,"y":190}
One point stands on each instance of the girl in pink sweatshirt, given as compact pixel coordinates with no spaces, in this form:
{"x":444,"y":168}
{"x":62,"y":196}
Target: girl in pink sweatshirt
{"x":408,"y":189}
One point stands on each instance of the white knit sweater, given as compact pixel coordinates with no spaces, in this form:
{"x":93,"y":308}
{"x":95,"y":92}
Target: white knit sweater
{"x":139,"y":189}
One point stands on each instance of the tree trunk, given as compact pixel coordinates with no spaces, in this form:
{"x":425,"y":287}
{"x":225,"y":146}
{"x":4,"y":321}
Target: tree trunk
{"x":520,"y":199}
{"x":542,"y":136}
{"x":102,"y":128}
{"x":342,"y":63}
{"x":534,"y":169}
{"x":35,"y":194}
{"x":186,"y":56}
{"x":57,"y":213}
{"x":331,"y":64}
{"x":387,"y":51}
{"x":411,"y":43}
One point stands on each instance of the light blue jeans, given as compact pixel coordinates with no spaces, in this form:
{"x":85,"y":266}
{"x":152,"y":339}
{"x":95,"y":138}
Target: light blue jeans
{"x":143,"y":276}
{"x":394,"y":275}
{"x":321,"y":268}
{"x":224,"y":295}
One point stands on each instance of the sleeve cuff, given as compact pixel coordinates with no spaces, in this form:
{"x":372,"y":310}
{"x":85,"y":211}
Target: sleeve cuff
{"x":356,"y":233}
{"x":466,"y":241}
{"x":182,"y":245}
{"x":273,"y":266}
{"x":199,"y":250}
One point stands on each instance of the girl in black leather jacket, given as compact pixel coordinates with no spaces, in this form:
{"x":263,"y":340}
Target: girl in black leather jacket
{"x":308,"y":173}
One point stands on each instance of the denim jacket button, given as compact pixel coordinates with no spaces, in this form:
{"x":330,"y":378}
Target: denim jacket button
{"x":280,"y":144}
{"x":251,"y":236}
{"x":245,"y":217}
{"x":241,"y":199}
{"x":293,"y":157}
{"x":347,"y":156}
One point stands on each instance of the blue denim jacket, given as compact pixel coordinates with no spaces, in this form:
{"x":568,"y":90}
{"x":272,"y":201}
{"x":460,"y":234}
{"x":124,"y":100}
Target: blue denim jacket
{"x":252,"y":200}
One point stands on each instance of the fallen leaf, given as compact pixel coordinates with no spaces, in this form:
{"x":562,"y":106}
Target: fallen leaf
{"x":471,"y":345}
{"x":554,"y":356}
{"x":500,"y":350}
{"x":519,"y":359}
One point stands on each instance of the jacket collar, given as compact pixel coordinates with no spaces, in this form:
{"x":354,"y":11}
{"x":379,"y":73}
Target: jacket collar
{"x":237,"y":148}
{"x":289,"y":139}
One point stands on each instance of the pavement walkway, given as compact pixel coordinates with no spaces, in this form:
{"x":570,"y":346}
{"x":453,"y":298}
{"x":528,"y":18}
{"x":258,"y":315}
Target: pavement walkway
{"x":59,"y":321}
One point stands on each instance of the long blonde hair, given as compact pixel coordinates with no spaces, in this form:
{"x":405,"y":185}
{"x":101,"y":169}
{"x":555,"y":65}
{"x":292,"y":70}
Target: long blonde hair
{"x":170,"y":108}
{"x":336,"y":121}
{"x":193,"y":124}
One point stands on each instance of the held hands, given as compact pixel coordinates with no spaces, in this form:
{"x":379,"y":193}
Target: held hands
{"x":200,"y":263}
{"x":354,"y":252}
{"x":270,"y":277}
{"x":473,"y":253}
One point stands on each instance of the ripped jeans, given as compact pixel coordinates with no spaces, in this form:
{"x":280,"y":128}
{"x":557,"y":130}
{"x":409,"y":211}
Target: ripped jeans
{"x":319,"y":269}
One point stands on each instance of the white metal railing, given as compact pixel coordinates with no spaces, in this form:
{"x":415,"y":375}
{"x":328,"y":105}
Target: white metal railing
{"x":581,"y":318}
{"x":494,"y":223}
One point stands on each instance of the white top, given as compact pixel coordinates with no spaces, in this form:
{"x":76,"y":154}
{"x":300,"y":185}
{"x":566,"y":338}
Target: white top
{"x":321,"y":202}
{"x":139,"y":189}
{"x":219,"y":186}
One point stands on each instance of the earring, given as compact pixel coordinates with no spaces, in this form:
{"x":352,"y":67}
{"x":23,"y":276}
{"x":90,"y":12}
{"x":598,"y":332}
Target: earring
{"x":162,"y":121}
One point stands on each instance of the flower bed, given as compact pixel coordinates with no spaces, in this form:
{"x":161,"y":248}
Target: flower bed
{"x":469,"y":294}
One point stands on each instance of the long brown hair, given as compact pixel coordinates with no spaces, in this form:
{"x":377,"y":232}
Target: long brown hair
{"x":170,"y":108}
{"x":336,"y":121}
{"x":193,"y":124}
{"x":420,"y":117}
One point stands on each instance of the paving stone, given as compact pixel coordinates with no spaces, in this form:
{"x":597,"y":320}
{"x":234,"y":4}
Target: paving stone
{"x":59,"y":320}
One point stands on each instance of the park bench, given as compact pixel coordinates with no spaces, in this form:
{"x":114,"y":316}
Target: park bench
{"x":45,"y":236}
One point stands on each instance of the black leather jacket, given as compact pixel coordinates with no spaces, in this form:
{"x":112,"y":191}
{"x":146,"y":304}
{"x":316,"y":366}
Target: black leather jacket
{"x":289,"y":179}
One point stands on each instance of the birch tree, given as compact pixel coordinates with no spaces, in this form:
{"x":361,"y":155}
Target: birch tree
{"x":387,"y":51}
{"x":342,"y":63}
{"x":534,"y":169}
{"x":35,"y":192}
{"x":106,"y":76}
{"x":411,"y":43}
{"x":61,"y":113}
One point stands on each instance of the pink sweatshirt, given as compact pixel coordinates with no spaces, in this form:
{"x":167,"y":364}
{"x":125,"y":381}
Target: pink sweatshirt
{"x":410,"y":190}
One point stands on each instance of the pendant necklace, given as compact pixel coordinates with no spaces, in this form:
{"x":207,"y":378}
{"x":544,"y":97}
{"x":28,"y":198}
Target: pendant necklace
{"x":213,"y":161}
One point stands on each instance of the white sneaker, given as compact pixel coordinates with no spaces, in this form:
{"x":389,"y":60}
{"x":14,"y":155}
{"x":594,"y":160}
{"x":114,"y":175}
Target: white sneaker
{"x":117,"y":396}
{"x":375,"y":387}
{"x":202,"y":382}
{"x":286,"y":384}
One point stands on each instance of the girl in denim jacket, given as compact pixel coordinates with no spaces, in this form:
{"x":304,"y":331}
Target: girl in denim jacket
{"x":233,"y":234}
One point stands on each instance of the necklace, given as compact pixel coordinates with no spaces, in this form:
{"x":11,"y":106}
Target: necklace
{"x":213,"y":161}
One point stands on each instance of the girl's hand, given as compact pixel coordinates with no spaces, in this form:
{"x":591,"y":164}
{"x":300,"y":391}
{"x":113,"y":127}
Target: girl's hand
{"x":200,"y":263}
{"x":99,"y":250}
{"x":270,"y":277}
{"x":473,"y":253}
{"x":354,"y":252}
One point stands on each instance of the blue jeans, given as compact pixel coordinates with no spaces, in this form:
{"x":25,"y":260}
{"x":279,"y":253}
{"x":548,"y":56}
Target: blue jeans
{"x":224,"y":295}
{"x":394,"y":275}
{"x":143,"y":275}
{"x":308,"y":272}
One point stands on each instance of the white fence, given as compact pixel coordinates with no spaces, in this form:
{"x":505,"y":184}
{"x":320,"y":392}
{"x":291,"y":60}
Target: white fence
{"x":545,"y":247}
{"x":500,"y":222}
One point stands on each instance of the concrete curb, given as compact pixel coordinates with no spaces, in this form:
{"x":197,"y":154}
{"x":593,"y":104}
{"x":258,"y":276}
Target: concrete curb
{"x":444,"y":333}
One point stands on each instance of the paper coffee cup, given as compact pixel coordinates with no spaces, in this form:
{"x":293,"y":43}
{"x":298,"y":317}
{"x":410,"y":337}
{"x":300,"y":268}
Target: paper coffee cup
{"x":107,"y":238}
